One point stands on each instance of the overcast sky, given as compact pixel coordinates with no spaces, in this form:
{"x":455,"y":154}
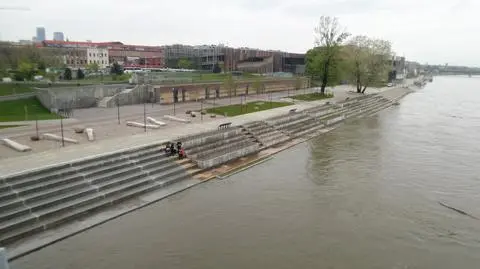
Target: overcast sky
{"x":433,"y":31}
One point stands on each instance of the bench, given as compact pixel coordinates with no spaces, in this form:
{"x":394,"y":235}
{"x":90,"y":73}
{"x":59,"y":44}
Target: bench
{"x":224,"y":125}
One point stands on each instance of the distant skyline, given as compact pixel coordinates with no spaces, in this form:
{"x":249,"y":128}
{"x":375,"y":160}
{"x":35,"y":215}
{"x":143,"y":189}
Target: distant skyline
{"x":427,"y":31}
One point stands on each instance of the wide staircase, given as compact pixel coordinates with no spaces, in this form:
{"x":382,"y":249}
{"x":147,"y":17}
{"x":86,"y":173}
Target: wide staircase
{"x":37,"y":201}
{"x":265,"y":134}
{"x":295,"y":124}
{"x":220,"y":146}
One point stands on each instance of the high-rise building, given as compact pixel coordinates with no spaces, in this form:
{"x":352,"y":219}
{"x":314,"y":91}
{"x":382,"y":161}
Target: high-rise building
{"x":58,"y":36}
{"x":40,"y":34}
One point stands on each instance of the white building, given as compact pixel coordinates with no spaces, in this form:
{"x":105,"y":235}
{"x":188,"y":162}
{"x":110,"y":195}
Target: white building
{"x":58,"y":36}
{"x":98,"y":55}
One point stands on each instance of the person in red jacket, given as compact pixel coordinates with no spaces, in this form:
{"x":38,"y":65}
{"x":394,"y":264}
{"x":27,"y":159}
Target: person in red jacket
{"x":181,"y":153}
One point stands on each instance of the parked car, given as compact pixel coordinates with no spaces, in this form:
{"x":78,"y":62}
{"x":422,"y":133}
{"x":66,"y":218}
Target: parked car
{"x":390,"y":85}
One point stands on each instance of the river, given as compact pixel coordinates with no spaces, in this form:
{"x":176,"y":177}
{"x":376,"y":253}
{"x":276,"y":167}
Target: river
{"x":363,"y":196}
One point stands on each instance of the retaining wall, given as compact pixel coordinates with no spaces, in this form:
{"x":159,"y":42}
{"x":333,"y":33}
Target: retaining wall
{"x":76,"y":97}
{"x":205,"y":91}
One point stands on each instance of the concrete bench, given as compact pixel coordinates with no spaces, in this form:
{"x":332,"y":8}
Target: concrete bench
{"x":224,"y":125}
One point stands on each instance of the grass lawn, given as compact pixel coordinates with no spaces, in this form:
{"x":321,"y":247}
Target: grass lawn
{"x":15,"y":88}
{"x":237,"y":109}
{"x":15,"y":110}
{"x":312,"y":96}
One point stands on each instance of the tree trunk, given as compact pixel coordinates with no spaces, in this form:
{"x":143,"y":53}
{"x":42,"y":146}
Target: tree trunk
{"x":325,"y":77}
{"x":364,"y":88}
{"x":359,"y":83}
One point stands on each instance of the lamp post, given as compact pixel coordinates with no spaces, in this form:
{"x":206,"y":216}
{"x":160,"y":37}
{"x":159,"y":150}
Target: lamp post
{"x":271,"y":105}
{"x":61,"y":128}
{"x":145,"y":110}
{"x":117,"y":101}
{"x":201,"y":110}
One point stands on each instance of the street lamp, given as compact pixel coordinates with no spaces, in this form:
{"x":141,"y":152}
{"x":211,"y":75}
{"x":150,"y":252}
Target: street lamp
{"x":117,"y":101}
{"x":201,"y":110}
{"x":145,"y":109}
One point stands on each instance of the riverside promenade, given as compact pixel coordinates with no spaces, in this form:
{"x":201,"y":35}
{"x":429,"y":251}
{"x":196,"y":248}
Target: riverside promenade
{"x":51,"y":233}
{"x":32,"y":162}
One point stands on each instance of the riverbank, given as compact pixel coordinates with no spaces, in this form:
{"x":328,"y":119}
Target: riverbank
{"x":51,"y":236}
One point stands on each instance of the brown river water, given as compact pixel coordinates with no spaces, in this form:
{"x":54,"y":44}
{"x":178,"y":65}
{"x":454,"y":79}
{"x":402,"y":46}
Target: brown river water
{"x":365,"y":195}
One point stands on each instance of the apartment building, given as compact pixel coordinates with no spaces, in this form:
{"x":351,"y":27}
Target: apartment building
{"x":99,"y":56}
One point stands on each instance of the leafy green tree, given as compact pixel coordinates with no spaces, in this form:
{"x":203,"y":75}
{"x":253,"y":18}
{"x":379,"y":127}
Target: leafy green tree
{"x":184,"y":63}
{"x":67,"y":74}
{"x":92,"y":67}
{"x":116,"y":69}
{"x":329,"y":37}
{"x":80,"y":74}
{"x":369,"y":61}
{"x":27,"y":69}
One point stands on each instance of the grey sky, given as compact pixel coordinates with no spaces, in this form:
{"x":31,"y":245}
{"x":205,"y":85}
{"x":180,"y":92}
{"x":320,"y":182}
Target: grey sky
{"x":433,"y":31}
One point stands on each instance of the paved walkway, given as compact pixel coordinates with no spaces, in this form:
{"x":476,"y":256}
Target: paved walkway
{"x":75,"y":152}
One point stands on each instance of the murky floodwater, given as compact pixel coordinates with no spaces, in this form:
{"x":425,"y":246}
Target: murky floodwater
{"x":363,"y":196}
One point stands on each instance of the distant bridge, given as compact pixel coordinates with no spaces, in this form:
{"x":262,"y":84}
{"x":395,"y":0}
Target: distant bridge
{"x":452,"y":70}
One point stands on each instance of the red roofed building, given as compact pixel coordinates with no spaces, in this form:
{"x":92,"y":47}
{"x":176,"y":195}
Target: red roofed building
{"x":79,"y":54}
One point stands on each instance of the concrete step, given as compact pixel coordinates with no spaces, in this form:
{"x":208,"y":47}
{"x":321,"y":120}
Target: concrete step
{"x":52,"y":182}
{"x":91,"y":194}
{"x":204,"y":147}
{"x":292,"y":127}
{"x":379,"y":108}
{"x":253,"y":125}
{"x":25,"y":183}
{"x":272,"y":133}
{"x":296,"y":132}
{"x":224,"y":148}
{"x":274,"y":139}
{"x":14,"y":213}
{"x":258,"y":127}
{"x":223,"y":151}
{"x":364,"y":108}
{"x":279,"y":120}
{"x":288,"y":125}
{"x":4,"y":188}
{"x":266,"y":129}
{"x":7,"y":195}
{"x":310,"y":131}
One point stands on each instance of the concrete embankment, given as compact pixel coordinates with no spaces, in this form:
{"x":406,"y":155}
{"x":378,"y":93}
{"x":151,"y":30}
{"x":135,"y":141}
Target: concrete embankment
{"x":37,"y":201}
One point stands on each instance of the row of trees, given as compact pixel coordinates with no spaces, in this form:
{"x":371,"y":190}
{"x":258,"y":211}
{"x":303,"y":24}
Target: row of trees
{"x":336,"y":57}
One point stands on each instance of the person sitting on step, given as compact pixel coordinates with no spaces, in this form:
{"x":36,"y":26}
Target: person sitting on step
{"x":167,"y":148}
{"x":172,"y":149}
{"x":181,"y":153}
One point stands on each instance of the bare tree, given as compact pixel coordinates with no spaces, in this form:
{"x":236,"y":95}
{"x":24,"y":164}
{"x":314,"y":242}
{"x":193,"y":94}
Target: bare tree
{"x":329,"y":36}
{"x":370,"y":61}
